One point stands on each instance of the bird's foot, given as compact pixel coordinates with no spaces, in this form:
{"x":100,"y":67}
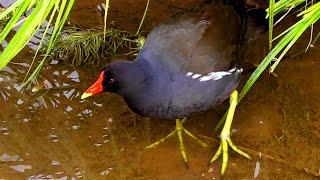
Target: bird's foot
{"x":225,"y":136}
{"x":223,"y":149}
{"x":178,"y":131}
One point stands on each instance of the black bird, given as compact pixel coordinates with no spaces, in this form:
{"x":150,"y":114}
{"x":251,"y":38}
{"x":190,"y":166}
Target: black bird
{"x":186,"y":66}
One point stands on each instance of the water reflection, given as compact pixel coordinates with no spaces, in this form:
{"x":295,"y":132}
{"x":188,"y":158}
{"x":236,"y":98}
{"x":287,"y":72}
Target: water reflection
{"x":55,"y":94}
{"x":35,"y":40}
{"x":51,"y":90}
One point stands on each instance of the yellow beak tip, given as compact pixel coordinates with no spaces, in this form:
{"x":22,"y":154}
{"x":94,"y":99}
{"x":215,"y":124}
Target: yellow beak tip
{"x":85,"y":95}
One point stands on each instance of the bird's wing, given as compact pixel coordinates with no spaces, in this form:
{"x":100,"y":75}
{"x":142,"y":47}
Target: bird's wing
{"x":190,"y":43}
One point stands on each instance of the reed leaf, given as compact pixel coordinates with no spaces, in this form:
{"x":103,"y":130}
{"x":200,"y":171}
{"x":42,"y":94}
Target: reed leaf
{"x":60,"y":21}
{"x":291,"y":35}
{"x":26,"y":31}
{"x":12,"y":8}
{"x":143,"y":17}
{"x":21,"y":9}
{"x":271,"y":12}
{"x":105,"y":19}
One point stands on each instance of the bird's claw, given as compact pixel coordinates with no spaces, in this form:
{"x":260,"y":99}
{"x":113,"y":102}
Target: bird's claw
{"x":223,"y":149}
{"x":179,"y":131}
{"x":225,"y":136}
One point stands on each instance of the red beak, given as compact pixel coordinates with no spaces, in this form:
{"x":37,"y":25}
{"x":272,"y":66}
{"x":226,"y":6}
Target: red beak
{"x":95,"y":88}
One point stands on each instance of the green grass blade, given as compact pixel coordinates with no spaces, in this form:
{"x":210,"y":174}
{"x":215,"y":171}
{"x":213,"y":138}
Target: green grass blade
{"x":42,"y":39}
{"x":283,"y":5}
{"x":14,"y":20}
{"x":271,"y":12}
{"x":258,"y":71}
{"x":11,"y":8}
{"x":286,"y":42}
{"x":308,"y":11}
{"x":285,"y":32}
{"x":263,"y":65}
{"x":50,"y":43}
{"x":25,"y":32}
{"x":296,"y":33}
{"x":60,"y":21}
{"x":105,"y":19}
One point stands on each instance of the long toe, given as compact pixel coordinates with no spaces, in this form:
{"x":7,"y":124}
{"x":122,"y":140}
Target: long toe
{"x":179,"y":131}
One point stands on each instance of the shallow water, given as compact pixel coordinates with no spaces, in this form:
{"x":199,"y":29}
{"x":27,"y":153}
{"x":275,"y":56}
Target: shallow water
{"x":51,"y":133}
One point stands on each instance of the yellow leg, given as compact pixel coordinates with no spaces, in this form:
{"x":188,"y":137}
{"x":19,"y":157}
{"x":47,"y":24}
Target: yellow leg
{"x":179,"y":130}
{"x":225,"y":136}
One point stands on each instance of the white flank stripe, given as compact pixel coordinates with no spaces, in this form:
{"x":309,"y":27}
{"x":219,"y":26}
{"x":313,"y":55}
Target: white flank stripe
{"x":214,"y":76}
{"x":196,"y":76}
{"x":233,"y":69}
{"x":189,"y":73}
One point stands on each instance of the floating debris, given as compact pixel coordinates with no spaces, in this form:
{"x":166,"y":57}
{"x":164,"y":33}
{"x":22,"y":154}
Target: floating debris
{"x":257,"y":170}
{"x":106,"y":172}
{"x":7,"y":158}
{"x":79,"y":173}
{"x":68,"y":94}
{"x":97,"y":104}
{"x":21,"y":168}
{"x":74,"y":76}
{"x":25,"y":120}
{"x":52,"y":136}
{"x":41,"y":176}
{"x":98,"y":144}
{"x":54,"y":62}
{"x":3,"y":129}
{"x":55,"y":163}
{"x":19,"y":102}
{"x":69,"y":108}
{"x":87,"y":112}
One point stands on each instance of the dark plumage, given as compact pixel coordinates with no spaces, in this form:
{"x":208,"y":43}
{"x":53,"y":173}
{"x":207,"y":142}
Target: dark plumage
{"x":184,"y":66}
{"x":187,"y":65}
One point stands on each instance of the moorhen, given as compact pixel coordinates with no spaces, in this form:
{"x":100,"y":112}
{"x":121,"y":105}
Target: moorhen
{"x":184,"y":67}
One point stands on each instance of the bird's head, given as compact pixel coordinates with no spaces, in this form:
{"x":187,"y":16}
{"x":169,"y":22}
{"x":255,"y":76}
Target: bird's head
{"x":106,"y":82}
{"x":121,"y":77}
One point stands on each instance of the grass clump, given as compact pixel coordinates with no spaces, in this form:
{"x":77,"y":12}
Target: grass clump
{"x":87,"y":47}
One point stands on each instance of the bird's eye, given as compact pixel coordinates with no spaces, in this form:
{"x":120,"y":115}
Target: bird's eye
{"x":111,"y":81}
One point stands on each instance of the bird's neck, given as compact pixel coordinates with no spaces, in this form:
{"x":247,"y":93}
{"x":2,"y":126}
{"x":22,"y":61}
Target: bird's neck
{"x":132,"y":77}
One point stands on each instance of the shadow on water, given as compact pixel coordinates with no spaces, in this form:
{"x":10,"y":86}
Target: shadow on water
{"x":47,"y":132}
